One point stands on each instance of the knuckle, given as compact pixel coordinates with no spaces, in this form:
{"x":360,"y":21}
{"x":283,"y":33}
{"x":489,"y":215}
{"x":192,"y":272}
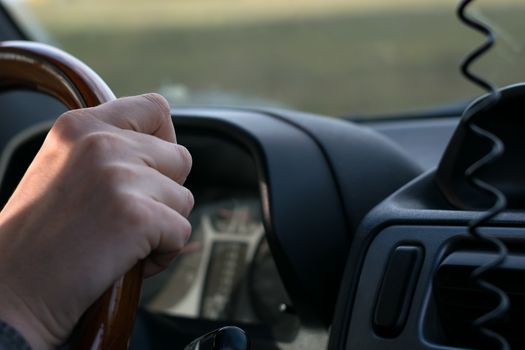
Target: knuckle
{"x":160,"y":103}
{"x":189,"y":201}
{"x":100,"y":144}
{"x":70,"y":123}
{"x":185,"y":231}
{"x":186,"y":161}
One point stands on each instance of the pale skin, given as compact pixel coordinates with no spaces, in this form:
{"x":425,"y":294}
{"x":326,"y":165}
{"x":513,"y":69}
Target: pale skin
{"x":105,"y":191}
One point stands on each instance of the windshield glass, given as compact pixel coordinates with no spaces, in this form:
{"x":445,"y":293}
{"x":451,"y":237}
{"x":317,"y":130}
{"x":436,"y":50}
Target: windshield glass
{"x":333,"y":57}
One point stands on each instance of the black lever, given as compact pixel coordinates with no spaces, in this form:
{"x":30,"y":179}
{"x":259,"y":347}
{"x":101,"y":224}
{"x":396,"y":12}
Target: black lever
{"x":225,"y":338}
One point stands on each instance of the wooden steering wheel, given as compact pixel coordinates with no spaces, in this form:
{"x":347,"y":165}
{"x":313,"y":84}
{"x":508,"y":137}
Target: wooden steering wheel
{"x":108,"y":323}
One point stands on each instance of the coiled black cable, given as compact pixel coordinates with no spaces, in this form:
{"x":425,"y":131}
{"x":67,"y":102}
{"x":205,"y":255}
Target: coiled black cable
{"x":500,"y":201}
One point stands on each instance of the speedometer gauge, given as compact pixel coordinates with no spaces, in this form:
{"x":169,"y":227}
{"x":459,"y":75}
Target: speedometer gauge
{"x":207,"y":280}
{"x":229,"y":273}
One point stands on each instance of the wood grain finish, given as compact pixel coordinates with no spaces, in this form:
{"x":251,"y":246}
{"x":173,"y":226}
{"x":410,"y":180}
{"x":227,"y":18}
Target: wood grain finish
{"x":108,"y":323}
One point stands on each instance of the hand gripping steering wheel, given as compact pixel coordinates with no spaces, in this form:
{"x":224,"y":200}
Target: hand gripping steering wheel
{"x":108,"y":323}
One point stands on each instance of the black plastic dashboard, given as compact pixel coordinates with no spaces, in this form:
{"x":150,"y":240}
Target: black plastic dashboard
{"x":314,"y":179}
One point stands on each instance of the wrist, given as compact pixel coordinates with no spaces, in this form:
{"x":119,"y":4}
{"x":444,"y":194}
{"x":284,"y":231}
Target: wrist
{"x":17,"y":315}
{"x":15,"y":310}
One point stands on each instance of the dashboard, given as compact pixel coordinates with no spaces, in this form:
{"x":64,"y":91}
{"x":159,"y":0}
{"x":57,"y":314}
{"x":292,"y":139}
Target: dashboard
{"x":271,"y":228}
{"x":279,"y":196}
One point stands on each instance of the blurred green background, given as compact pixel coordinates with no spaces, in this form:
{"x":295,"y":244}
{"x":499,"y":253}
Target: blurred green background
{"x":332,"y":57}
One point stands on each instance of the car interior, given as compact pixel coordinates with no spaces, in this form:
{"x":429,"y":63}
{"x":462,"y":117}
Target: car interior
{"x":330,"y":233}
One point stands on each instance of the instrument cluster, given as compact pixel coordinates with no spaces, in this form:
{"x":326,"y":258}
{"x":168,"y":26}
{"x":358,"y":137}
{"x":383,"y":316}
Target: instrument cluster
{"x":226,"y":273}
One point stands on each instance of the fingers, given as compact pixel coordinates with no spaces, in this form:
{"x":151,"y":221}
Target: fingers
{"x":172,"y":160}
{"x":132,"y":142}
{"x":173,"y":231}
{"x":147,"y":114}
{"x":164,"y":190}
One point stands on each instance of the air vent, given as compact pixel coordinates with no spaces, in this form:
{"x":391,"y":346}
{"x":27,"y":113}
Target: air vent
{"x":460,"y":301}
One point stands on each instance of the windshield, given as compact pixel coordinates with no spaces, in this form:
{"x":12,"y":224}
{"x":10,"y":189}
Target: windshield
{"x":333,"y":57}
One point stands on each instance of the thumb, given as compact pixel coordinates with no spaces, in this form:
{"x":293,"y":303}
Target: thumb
{"x":147,"y":114}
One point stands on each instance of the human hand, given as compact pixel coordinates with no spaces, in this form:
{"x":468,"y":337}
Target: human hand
{"x":104,"y":192}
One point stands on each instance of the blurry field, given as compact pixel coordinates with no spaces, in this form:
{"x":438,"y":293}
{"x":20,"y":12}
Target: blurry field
{"x":334,"y":57}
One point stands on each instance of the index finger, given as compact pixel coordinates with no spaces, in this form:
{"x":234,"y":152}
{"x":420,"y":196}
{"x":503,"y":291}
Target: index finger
{"x":147,"y":114}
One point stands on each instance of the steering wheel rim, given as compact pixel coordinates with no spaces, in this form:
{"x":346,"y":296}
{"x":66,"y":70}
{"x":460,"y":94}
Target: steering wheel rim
{"x":108,"y":323}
